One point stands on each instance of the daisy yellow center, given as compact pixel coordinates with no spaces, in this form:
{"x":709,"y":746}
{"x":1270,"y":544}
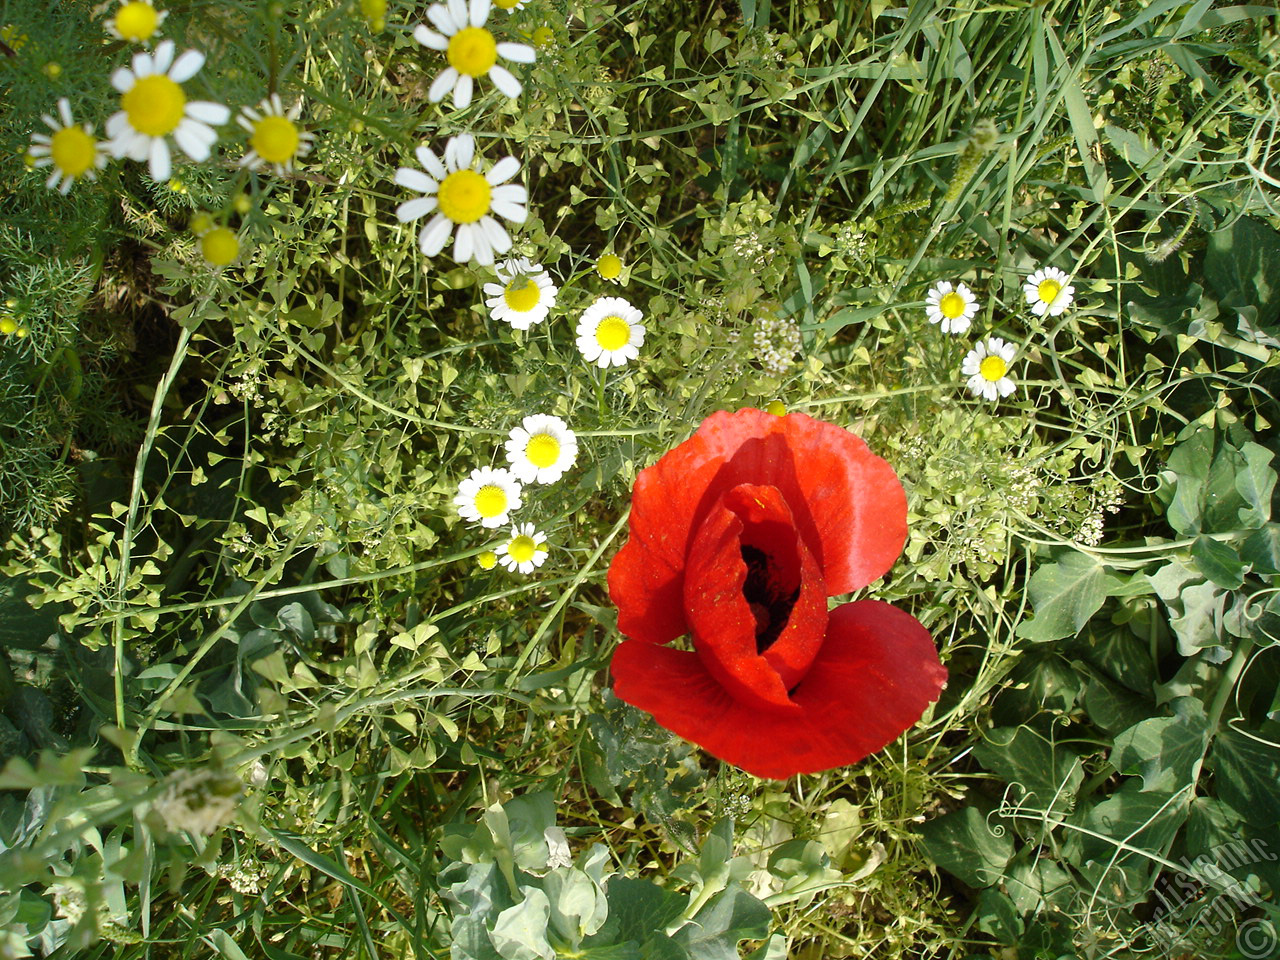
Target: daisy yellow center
{"x":1048,"y":290}
{"x":72,"y":151}
{"x":777,"y":408}
{"x":464,"y":196}
{"x":522,"y":548}
{"x":521,"y":295}
{"x":542,"y":450}
{"x":487,"y":560}
{"x":952,"y":305}
{"x":472,"y":51}
{"x":275,"y":139}
{"x":609,"y":266}
{"x":506,"y":4}
{"x":543,"y":37}
{"x":613,"y":333}
{"x":491,"y":501}
{"x":219,"y":246}
{"x":993,"y":368}
{"x":154,"y":105}
{"x":137,"y":21}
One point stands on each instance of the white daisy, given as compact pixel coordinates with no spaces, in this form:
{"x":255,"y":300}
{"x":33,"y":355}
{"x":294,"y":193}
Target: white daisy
{"x":1048,"y":290}
{"x":71,"y":150}
{"x":488,"y":496}
{"x":526,"y":549}
{"x":511,"y":6}
{"x":987,"y":366}
{"x":610,"y":332}
{"x":524,"y":296}
{"x":136,"y":21}
{"x":274,"y":138}
{"x":952,"y":305}
{"x":464,"y":198}
{"x":153,"y":106}
{"x":541,"y":449}
{"x":471,"y":50}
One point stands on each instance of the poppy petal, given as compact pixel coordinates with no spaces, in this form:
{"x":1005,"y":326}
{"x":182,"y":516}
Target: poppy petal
{"x":876,"y":673}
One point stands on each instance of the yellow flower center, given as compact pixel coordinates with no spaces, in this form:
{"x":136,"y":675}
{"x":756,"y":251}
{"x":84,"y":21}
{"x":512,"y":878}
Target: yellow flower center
{"x":543,"y":37}
{"x":522,"y":548}
{"x":542,"y":450}
{"x":491,"y":501}
{"x":472,"y":51}
{"x":464,"y":196}
{"x":375,"y":12}
{"x":993,"y":368}
{"x":219,"y":246}
{"x":275,"y":139}
{"x":1048,"y":290}
{"x":137,"y":21}
{"x":72,"y":151}
{"x":777,"y":408}
{"x":201,"y":223}
{"x":154,"y":105}
{"x":487,"y":560}
{"x":522,"y":294}
{"x":613,"y":333}
{"x":505,"y":4}
{"x":609,"y":266}
{"x":952,"y":305}
{"x":7,"y":325}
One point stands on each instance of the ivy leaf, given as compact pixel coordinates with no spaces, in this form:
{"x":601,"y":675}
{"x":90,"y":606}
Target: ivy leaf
{"x":1048,"y":776}
{"x":1254,"y":483}
{"x":1065,"y":595}
{"x":1165,"y":751}
{"x":1144,"y":821}
{"x":998,"y":917}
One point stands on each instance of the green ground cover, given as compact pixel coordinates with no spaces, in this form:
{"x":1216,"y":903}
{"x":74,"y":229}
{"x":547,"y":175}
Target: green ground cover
{"x":281,"y":677}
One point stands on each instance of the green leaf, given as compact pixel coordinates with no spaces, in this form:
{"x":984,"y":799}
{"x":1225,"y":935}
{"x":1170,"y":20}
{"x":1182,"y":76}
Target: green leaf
{"x":1033,"y":883}
{"x":1045,"y":776}
{"x":1165,"y":751}
{"x":520,"y":931}
{"x":1218,"y":562}
{"x":21,"y":625}
{"x":730,"y":917}
{"x":1246,"y":771}
{"x":1065,"y":595}
{"x":1255,"y":483}
{"x":640,"y":912}
{"x":1262,"y":550}
{"x":997,"y":916}
{"x":1242,"y":265}
{"x":1112,"y":707}
{"x":1124,"y":831}
{"x":965,"y":843}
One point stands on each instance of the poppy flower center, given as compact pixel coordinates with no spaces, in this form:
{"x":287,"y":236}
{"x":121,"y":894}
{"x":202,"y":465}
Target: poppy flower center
{"x":992,"y":368}
{"x":464,"y":196}
{"x":1048,"y":290}
{"x":472,"y":51}
{"x":769,"y":601}
{"x":952,"y":305}
{"x":521,"y":294}
{"x":154,"y":105}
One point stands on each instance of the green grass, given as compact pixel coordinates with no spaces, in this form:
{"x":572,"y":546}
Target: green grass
{"x":228,"y":494}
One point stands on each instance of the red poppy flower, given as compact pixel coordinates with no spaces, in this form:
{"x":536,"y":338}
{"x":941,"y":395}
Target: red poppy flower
{"x":738,"y":536}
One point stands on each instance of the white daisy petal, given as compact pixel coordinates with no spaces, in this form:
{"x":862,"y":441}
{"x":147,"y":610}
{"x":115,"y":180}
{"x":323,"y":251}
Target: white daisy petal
{"x":505,"y":81}
{"x":160,"y":165}
{"x":192,"y":138}
{"x":464,"y":150}
{"x":442,"y":84}
{"x":463,"y":245}
{"x":458,"y":11}
{"x":462,"y":92}
{"x":511,"y":193}
{"x":415,"y":209}
{"x":439,"y":16}
{"x":517,"y":52}
{"x":123,"y":79}
{"x":429,"y":160}
{"x":215,"y":114}
{"x":502,"y":171}
{"x":163,"y":56}
{"x":415,"y":180}
{"x":429,"y":38}
{"x":435,"y":235}
{"x":479,"y":12}
{"x":509,"y":211}
{"x":186,"y":66}
{"x":64,"y":110}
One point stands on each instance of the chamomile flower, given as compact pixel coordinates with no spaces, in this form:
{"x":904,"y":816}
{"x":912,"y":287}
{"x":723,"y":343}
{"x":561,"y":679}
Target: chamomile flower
{"x":511,"y":6}
{"x":465,"y":198}
{"x":526,"y":549}
{"x":153,"y":106}
{"x":610,"y":332}
{"x":487,"y":560}
{"x":1049,"y":291}
{"x":524,"y":296}
{"x":609,"y":267}
{"x":952,"y":305}
{"x":987,"y":367}
{"x":136,"y":21}
{"x":488,"y":496}
{"x":71,"y":150}
{"x":471,"y":50}
{"x":275,"y":138}
{"x":541,"y":449}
